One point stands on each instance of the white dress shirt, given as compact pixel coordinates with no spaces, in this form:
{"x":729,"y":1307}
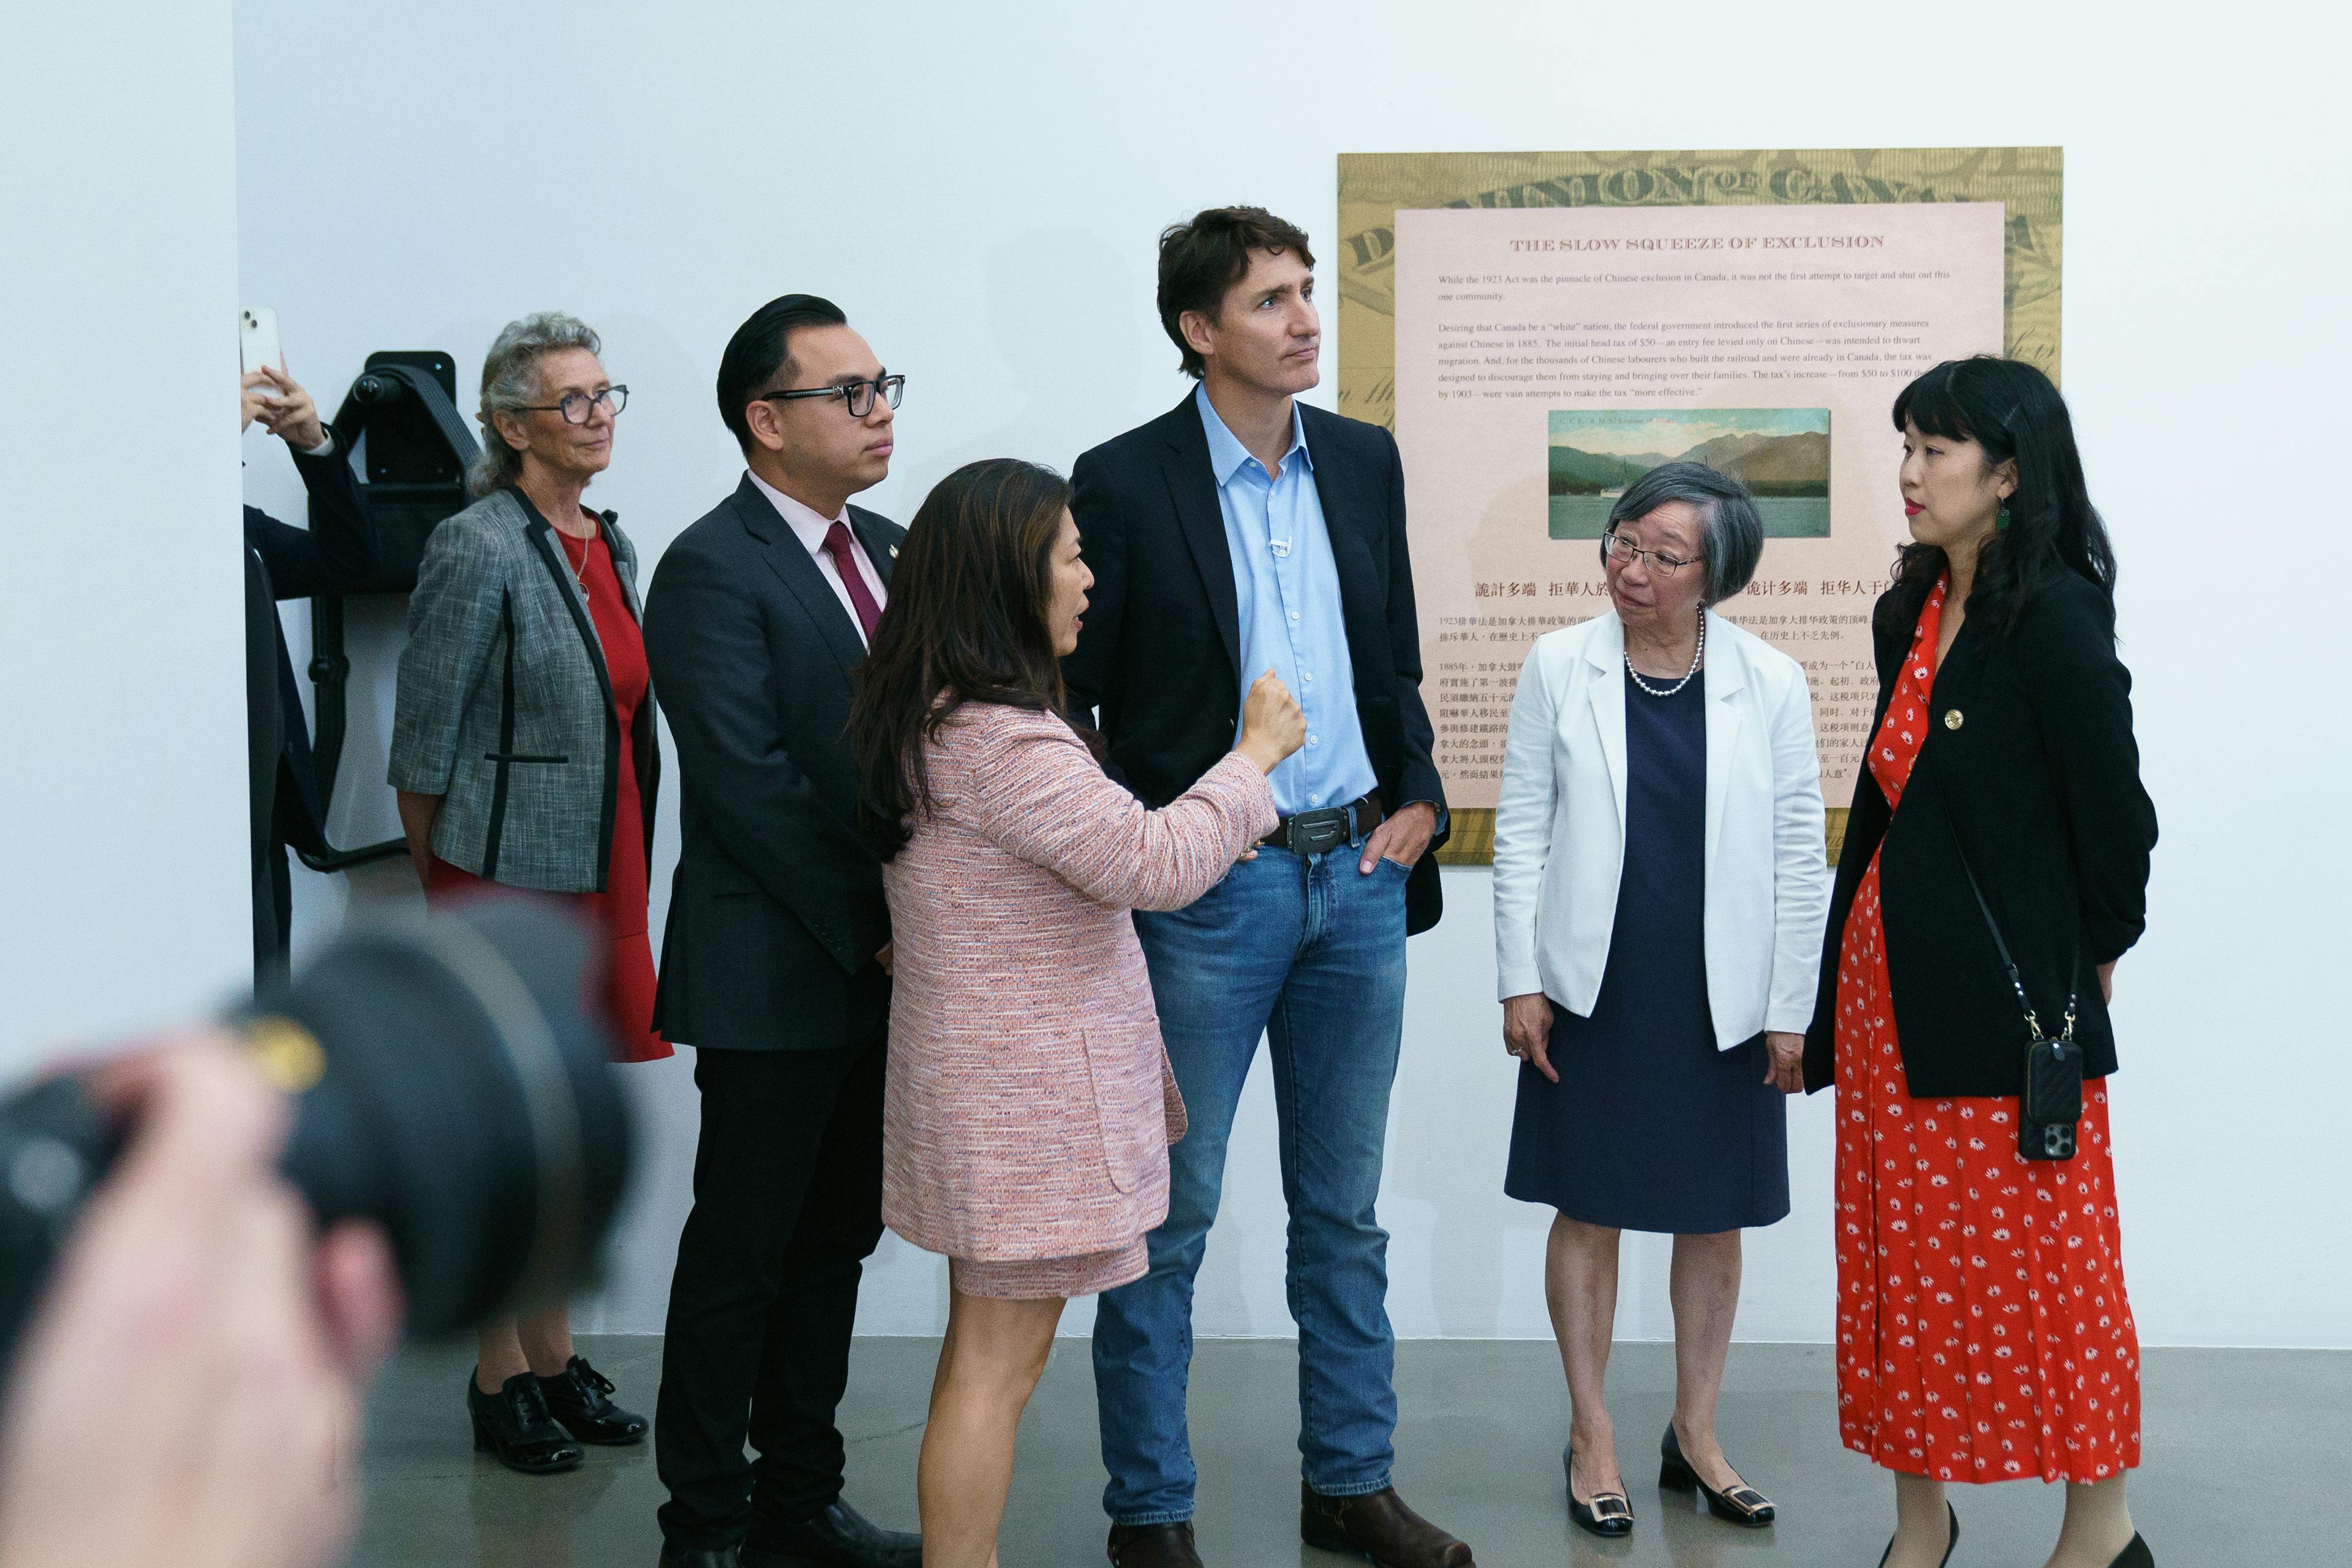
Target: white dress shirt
{"x":1560,"y":846}
{"x":811,"y":528}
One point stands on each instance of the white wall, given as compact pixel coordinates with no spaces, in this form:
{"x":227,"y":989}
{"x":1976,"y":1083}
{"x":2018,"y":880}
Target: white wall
{"x":981,"y":188}
{"x":126,"y":896}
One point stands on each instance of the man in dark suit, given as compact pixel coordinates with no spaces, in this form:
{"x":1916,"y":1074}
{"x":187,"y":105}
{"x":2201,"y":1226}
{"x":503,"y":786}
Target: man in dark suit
{"x":336,"y":552}
{"x":775,"y":964}
{"x":1244,"y":531}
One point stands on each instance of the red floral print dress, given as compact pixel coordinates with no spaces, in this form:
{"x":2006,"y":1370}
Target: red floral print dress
{"x":1984,"y":1333}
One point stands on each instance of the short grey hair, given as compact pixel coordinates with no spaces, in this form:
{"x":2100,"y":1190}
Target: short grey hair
{"x":1731,"y":533}
{"x":510,"y":382}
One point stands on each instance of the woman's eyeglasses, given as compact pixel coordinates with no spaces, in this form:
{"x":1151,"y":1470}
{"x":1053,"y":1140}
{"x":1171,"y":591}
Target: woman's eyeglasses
{"x":1625,"y":553}
{"x":578,"y":407}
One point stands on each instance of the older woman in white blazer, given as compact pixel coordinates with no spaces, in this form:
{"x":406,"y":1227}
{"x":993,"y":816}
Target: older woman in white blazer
{"x":1660,"y":890}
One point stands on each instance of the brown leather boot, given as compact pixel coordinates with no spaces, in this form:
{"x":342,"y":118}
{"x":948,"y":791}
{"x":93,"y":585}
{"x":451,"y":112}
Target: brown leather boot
{"x":1379,"y":1526}
{"x":1154,"y":1546}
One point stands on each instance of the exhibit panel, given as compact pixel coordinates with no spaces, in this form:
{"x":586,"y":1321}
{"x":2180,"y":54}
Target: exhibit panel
{"x":1564,"y":323}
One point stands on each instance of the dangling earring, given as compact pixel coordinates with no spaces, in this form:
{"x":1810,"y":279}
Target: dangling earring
{"x":2002,"y":520}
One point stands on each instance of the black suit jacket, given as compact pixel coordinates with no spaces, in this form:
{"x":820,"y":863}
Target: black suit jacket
{"x":778,"y":897}
{"x":1160,"y":657}
{"x":2040,"y":782}
{"x":337,"y":553}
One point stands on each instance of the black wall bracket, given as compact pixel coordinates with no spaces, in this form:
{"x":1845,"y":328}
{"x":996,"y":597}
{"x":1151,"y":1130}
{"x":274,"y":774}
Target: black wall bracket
{"x":401,"y":419}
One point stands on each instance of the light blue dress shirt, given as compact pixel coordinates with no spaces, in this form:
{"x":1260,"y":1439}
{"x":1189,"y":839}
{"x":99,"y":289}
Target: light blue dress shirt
{"x":1286,"y":585}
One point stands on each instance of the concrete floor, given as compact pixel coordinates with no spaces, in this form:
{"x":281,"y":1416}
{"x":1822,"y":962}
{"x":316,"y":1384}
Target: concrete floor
{"x":2246,"y":1462}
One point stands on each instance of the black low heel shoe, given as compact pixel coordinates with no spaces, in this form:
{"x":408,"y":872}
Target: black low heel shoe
{"x":2136,"y":1555}
{"x":1742,"y":1505}
{"x":1950,"y":1546}
{"x":1607,"y":1514}
{"x":581,"y":1399}
{"x":514,"y":1425}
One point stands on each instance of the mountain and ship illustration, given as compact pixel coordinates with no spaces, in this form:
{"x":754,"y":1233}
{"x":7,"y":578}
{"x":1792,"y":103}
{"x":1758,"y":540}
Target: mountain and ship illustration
{"x":1781,"y":455}
{"x":1790,"y":465}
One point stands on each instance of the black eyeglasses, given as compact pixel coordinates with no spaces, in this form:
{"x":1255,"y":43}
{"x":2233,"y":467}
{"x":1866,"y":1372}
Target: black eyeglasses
{"x":1626,"y":553}
{"x":857,"y":396}
{"x":578,"y":407}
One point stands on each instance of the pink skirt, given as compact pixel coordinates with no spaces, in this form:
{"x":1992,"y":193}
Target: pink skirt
{"x":1043,"y":1279}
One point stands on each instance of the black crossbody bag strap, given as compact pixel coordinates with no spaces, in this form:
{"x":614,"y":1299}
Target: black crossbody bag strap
{"x":2051,"y":1102}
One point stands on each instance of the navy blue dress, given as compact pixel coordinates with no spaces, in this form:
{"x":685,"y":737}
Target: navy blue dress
{"x":1651,"y":1127}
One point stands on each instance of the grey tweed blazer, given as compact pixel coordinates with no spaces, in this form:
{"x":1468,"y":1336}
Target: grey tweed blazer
{"x":505,"y":707}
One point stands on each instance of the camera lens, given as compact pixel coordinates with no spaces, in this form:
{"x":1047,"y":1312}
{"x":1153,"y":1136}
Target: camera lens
{"x":464,"y":1101}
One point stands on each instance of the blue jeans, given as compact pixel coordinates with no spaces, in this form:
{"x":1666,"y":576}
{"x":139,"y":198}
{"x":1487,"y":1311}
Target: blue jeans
{"x":1309,"y":953}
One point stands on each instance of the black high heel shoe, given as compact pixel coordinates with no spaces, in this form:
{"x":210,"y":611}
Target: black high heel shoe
{"x":1948,"y":1546}
{"x":1607,"y":1514}
{"x":514,"y":1425}
{"x":1742,"y":1505}
{"x":580,"y":1400}
{"x":2136,"y":1555}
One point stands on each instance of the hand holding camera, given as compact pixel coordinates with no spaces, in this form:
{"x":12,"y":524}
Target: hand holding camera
{"x":184,"y":1360}
{"x":192,"y":1291}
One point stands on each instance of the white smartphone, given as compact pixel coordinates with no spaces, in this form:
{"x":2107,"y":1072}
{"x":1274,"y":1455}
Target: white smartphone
{"x":257,"y":339}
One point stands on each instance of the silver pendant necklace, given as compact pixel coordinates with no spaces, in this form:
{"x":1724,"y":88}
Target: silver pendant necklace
{"x":1697,"y":654}
{"x":578,"y":569}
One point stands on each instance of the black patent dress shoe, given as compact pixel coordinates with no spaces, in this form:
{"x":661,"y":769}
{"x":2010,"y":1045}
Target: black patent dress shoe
{"x":1607,"y":1514}
{"x":514,"y":1425}
{"x":1154,"y":1546}
{"x":1953,"y":1544}
{"x":581,"y":1399}
{"x":840,"y":1537}
{"x":1742,"y":1505}
{"x":697,"y":1557}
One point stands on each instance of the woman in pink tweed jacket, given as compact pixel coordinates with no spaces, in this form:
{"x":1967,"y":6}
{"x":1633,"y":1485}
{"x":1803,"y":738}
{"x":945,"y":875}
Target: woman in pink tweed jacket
{"x":1030,"y":1105}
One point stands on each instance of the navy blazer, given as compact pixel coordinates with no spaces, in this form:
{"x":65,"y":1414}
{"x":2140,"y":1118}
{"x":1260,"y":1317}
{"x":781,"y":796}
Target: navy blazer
{"x":1159,"y":660}
{"x":777,"y":900}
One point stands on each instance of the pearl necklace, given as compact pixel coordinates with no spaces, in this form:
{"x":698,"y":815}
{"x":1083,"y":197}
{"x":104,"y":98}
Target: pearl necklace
{"x":1696,"y":655}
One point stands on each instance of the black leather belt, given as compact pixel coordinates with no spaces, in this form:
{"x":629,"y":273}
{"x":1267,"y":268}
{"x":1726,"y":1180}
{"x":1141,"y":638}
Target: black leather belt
{"x":1313,"y":832}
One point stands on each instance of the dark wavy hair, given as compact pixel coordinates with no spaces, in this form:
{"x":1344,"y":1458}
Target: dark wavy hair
{"x":966,"y":623}
{"x":2010,"y":409}
{"x":1202,"y":258}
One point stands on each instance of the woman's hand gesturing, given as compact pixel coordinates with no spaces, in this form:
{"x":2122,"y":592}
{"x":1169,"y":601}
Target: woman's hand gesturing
{"x":1272,"y":725}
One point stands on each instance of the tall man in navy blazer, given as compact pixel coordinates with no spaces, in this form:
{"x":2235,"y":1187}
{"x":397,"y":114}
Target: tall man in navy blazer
{"x":1239,"y":532}
{"x":775,"y":962}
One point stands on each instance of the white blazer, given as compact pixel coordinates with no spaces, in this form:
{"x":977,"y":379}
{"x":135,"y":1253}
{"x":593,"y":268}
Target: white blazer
{"x":1559,"y":828}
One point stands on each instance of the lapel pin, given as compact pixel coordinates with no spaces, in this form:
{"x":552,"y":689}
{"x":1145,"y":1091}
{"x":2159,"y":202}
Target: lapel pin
{"x":1952,"y":719}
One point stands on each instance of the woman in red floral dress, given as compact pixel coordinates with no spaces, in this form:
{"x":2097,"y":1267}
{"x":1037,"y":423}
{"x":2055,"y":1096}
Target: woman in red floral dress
{"x":1983,"y":1330}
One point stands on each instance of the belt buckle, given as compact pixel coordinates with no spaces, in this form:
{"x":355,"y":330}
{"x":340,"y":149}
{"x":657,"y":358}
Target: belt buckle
{"x":1313,"y":832}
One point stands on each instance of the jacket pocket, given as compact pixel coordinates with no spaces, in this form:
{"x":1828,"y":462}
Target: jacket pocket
{"x":525,"y":757}
{"x":1130,"y":1106}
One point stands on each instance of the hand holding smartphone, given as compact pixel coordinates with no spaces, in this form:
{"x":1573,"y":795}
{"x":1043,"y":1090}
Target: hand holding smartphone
{"x":269,"y":394}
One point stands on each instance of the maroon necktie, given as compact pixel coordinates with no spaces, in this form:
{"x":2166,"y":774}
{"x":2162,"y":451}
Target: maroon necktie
{"x":843,"y":549}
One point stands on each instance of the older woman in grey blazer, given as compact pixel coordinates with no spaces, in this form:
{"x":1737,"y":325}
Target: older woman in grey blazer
{"x":525,"y":756}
